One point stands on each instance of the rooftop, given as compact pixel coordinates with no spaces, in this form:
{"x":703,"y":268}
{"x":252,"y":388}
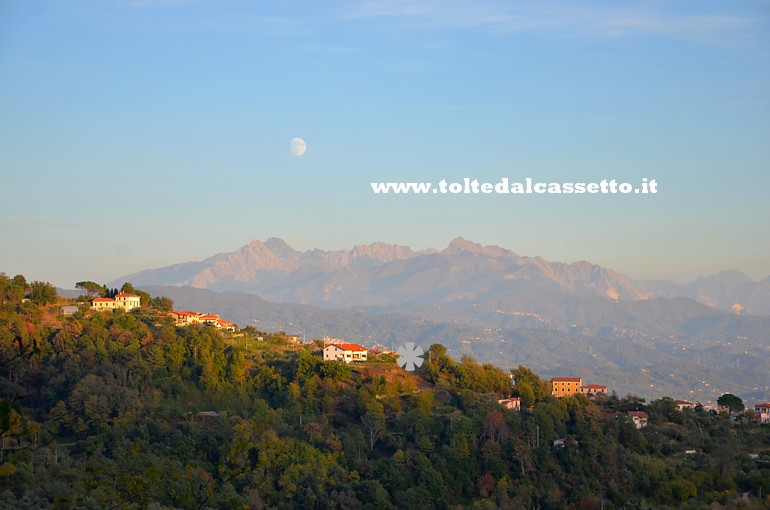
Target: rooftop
{"x":348,"y":347}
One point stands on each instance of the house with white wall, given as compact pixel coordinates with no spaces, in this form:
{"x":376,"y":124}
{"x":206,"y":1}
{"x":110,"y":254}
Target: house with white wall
{"x":122,"y":300}
{"x":346,"y":352}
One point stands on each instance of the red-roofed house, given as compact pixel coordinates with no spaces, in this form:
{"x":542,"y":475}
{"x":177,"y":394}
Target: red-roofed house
{"x":345,"y":352}
{"x":103,"y":303}
{"x":565,"y":386}
{"x":208,"y":318}
{"x":639,"y":418}
{"x":184,"y":318}
{"x":121,"y":300}
{"x":762,"y":412}
{"x":593,"y":389}
{"x":223,"y":324}
{"x":127,"y":301}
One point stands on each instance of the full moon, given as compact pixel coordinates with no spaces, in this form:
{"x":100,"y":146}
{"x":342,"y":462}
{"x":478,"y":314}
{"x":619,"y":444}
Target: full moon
{"x":298,"y":146}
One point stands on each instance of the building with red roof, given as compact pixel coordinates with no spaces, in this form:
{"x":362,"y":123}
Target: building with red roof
{"x":185,"y":318}
{"x":346,"y":352}
{"x":593,"y":389}
{"x":565,"y":386}
{"x":762,"y":412}
{"x":122,"y":300}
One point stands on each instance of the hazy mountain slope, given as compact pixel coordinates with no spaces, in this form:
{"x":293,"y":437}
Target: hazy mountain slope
{"x":722,"y":290}
{"x":615,"y":343}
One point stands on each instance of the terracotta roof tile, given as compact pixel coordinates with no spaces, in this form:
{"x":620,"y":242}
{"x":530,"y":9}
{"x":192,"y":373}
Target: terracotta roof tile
{"x":349,"y":347}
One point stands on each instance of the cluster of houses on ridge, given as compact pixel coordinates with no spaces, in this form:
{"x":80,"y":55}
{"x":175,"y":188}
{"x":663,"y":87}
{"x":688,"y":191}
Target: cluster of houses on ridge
{"x":185,"y":318}
{"x":565,"y":386}
{"x":127,"y":302}
{"x":561,"y":387}
{"x":761,"y":413}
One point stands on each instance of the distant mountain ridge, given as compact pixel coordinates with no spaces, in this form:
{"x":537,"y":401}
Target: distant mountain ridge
{"x":391,"y":275}
{"x":726,"y":290}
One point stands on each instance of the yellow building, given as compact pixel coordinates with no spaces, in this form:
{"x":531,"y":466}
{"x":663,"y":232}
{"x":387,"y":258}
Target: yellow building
{"x":565,"y":386}
{"x":127,"y":301}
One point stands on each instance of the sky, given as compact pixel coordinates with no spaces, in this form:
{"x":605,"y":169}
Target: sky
{"x":136,"y":134}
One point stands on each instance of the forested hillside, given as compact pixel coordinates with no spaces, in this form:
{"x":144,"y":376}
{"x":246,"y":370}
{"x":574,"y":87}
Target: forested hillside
{"x":125,"y":410}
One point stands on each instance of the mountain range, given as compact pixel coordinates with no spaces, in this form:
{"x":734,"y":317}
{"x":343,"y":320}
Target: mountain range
{"x":650,"y":338}
{"x":464,"y":272}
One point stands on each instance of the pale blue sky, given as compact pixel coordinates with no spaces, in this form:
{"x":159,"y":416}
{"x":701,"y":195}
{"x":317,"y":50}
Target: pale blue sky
{"x":136,"y":134}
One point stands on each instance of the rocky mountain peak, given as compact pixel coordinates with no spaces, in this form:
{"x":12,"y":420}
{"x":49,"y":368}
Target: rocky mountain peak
{"x":460,"y":245}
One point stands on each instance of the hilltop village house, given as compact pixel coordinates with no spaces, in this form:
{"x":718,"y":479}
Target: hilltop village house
{"x":122,"y":300}
{"x":345,"y":351}
{"x":639,"y":418}
{"x":565,"y":386}
{"x":593,"y":389}
{"x":681,"y":405}
{"x":513,"y":403}
{"x":185,"y":318}
{"x":762,"y":412}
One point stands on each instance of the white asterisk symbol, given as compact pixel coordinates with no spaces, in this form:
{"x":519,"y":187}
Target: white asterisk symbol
{"x":409,"y":356}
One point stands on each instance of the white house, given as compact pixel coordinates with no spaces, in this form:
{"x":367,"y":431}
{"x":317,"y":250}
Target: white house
{"x":345,"y":352}
{"x":127,"y":301}
{"x":762,"y":412}
{"x":122,"y":300}
{"x":639,"y":418}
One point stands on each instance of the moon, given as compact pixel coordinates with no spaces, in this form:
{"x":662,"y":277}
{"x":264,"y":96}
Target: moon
{"x":298,"y":146}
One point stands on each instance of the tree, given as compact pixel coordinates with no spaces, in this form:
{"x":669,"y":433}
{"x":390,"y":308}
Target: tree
{"x":42,"y":293}
{"x":12,"y":290}
{"x":307,"y":364}
{"x":529,"y":385}
{"x":144,"y":298}
{"x":162,"y":303}
{"x":731,"y":402}
{"x":334,"y":370}
{"x":92,"y":289}
{"x":374,"y":420}
{"x":20,"y":280}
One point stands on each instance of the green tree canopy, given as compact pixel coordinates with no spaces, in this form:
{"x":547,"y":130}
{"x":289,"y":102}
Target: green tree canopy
{"x":530,"y":386}
{"x":92,"y":289}
{"x":732,"y":402}
{"x":12,"y":290}
{"x":42,"y":293}
{"x":162,"y":303}
{"x":144,"y":298}
{"x":335,"y":370}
